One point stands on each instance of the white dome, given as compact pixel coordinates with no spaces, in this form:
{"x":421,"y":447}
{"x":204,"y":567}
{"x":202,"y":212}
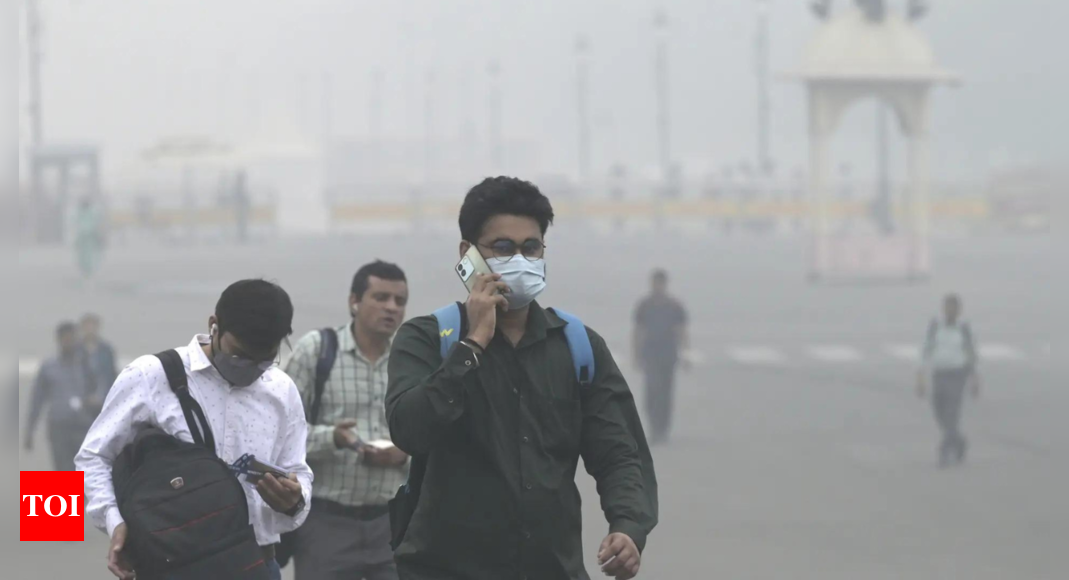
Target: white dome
{"x":851,"y":47}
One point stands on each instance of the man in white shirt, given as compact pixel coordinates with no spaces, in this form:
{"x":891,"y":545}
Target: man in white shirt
{"x":251,"y":406}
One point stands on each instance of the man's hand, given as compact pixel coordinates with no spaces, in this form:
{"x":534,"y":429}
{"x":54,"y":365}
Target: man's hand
{"x":280,"y":494}
{"x":389,"y":457}
{"x":619,"y":557}
{"x":344,"y":437}
{"x":487,"y":296}
{"x":118,"y":563}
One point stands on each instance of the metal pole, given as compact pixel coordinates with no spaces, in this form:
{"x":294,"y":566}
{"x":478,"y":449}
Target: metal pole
{"x":374,"y":121}
{"x":764,"y":107}
{"x":327,"y":106}
{"x":663,"y":112}
{"x":428,"y":133}
{"x":883,"y":212}
{"x":33,"y":39}
{"x":583,"y":109}
{"x":497,"y":156}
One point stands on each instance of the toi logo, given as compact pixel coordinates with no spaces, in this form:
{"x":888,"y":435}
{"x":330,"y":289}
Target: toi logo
{"x":53,"y":506}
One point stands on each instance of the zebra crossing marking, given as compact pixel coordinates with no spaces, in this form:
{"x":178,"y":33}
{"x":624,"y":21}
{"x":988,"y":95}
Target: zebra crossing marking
{"x":835,"y":353}
{"x":756,"y":355}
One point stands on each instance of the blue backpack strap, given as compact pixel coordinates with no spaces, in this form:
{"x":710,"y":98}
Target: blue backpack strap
{"x":450,"y":326}
{"x":579,"y":344}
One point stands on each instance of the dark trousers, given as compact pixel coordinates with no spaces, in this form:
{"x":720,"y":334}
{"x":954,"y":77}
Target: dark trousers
{"x":947,"y":396}
{"x":336,"y":546}
{"x":660,"y":391}
{"x":65,"y":441}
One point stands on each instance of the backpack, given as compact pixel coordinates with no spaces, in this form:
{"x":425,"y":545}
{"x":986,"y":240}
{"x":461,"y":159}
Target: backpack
{"x":186,"y":512}
{"x":328,"y":351}
{"x":450,"y":321}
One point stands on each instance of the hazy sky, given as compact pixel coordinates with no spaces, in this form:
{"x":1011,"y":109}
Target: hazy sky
{"x":124,"y":73}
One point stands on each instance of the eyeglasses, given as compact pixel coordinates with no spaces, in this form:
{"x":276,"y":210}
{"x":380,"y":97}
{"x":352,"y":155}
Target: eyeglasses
{"x":508,"y":249}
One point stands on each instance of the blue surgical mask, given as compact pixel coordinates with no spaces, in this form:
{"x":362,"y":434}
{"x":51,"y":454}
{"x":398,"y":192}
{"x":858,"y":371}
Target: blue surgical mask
{"x":525,"y":278}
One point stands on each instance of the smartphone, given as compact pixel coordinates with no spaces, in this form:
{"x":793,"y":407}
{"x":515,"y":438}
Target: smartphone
{"x":471,"y":264}
{"x":257,"y":470}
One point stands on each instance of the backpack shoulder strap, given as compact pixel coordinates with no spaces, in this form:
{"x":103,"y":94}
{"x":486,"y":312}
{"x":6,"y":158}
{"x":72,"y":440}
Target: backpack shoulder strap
{"x":176,"y":377}
{"x":450,"y":326}
{"x":579,"y":343}
{"x":328,"y":352}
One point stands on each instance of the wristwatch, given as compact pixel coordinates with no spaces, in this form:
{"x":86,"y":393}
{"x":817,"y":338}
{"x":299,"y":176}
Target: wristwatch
{"x":296,"y":509}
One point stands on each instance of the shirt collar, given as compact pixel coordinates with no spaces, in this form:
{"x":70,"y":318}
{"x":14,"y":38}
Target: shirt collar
{"x":347,"y":343}
{"x":198,"y":361}
{"x":539,"y":322}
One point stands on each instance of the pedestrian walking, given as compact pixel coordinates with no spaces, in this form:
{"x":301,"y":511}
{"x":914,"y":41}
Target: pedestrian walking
{"x":660,"y":337}
{"x":949,"y":368}
{"x":497,"y":399}
{"x":99,"y":352}
{"x":222,"y":395}
{"x":341,"y":375}
{"x":70,"y":392}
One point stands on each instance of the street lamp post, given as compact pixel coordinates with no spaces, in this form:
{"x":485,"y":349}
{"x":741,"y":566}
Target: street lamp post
{"x":660,"y":23}
{"x":583,"y":109}
{"x":497,"y":154}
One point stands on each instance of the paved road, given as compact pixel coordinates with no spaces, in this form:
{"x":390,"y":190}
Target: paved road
{"x":799,"y":450}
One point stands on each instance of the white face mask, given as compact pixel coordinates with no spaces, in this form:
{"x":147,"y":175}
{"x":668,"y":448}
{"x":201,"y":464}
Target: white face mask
{"x":525,"y":278}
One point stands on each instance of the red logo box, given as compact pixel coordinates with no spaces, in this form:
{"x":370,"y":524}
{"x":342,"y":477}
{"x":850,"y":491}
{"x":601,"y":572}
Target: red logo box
{"x":53,"y":506}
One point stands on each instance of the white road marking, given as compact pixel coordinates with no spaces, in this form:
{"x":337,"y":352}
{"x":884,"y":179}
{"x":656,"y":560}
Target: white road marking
{"x":1000,"y":352}
{"x":756,"y":355}
{"x":835,"y":353}
{"x":907,"y":352}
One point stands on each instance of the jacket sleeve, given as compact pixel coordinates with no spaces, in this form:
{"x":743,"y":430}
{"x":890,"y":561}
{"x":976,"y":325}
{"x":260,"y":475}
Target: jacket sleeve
{"x":615,"y":450}
{"x":426,"y":393}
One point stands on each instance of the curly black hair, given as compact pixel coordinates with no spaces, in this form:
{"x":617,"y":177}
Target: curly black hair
{"x":502,"y":196}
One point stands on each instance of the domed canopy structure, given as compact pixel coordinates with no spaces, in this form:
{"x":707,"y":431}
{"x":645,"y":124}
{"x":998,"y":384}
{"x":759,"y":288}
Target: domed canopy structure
{"x":852,"y":47}
{"x":859,"y":52}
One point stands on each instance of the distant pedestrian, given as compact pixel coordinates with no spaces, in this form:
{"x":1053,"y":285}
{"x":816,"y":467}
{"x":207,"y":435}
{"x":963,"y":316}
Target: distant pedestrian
{"x":88,"y":237}
{"x":660,"y":337}
{"x":68,"y":388}
{"x":949,"y":365}
{"x":98,"y":352}
{"x":347,"y":534}
{"x":242,"y":207}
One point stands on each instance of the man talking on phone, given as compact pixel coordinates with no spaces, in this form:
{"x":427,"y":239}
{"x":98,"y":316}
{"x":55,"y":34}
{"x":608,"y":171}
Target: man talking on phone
{"x":497,"y":425}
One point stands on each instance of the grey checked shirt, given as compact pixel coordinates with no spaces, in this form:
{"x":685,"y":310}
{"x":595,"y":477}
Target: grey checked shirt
{"x":356,"y":390}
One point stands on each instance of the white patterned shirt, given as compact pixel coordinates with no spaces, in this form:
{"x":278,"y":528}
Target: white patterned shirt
{"x":265,"y":419}
{"x":356,"y":389}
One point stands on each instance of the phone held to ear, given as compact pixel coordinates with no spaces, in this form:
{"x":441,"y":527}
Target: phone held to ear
{"x":472,"y":263}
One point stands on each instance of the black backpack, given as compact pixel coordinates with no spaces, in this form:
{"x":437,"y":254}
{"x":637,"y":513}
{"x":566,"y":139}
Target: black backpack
{"x":328,"y":351}
{"x":185,"y":510}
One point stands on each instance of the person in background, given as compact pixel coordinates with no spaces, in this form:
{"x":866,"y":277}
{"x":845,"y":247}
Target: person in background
{"x":347,"y":534}
{"x":250,"y":405}
{"x":88,"y":237}
{"x":660,"y":336}
{"x":69,"y":389}
{"x":949,"y":367}
{"x":502,"y":420}
{"x":98,"y":352}
{"x":242,"y":206}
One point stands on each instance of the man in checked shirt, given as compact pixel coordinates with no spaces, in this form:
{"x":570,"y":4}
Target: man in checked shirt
{"x":347,"y":535}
